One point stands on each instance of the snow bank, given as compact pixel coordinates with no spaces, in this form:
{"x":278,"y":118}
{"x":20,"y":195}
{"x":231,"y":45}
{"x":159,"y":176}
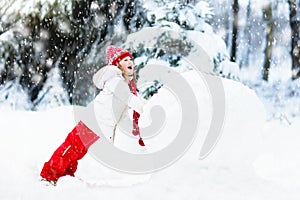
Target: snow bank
{"x":245,"y":116}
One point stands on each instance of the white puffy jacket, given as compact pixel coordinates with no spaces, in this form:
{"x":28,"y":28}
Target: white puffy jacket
{"x":111,"y":105}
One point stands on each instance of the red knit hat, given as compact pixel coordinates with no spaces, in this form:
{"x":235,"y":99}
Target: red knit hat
{"x":115,"y":54}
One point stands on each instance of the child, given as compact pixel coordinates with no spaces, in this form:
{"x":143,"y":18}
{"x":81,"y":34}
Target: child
{"x":119,"y":71}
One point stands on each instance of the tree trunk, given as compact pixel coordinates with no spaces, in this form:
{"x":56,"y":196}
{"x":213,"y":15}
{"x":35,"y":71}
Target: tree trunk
{"x":295,"y":48}
{"x":269,"y":41}
{"x":235,"y":8}
{"x":247,"y":36}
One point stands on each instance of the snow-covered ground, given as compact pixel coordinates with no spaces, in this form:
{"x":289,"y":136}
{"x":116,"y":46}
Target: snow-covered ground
{"x":254,"y":159}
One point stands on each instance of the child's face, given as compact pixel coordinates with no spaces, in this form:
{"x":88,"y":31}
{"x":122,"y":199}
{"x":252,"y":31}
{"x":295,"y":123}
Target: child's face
{"x":127,"y":66}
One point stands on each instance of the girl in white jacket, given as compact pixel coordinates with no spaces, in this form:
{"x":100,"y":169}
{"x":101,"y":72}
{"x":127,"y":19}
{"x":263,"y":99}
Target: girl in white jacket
{"x":118,"y":93}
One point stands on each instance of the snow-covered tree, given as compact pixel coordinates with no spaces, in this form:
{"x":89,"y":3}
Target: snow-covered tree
{"x":14,"y":96}
{"x":53,"y":94}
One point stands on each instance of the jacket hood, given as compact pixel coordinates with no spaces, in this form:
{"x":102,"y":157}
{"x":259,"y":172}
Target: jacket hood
{"x":106,"y":73}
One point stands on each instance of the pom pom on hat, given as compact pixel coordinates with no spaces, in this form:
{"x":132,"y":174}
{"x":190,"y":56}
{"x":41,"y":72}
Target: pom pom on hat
{"x":115,"y":54}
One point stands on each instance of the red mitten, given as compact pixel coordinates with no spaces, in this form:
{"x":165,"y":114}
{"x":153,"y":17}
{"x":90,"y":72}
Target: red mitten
{"x":141,"y":142}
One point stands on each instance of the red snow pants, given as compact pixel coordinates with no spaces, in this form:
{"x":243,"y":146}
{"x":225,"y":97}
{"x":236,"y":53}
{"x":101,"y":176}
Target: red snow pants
{"x":65,"y":158}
